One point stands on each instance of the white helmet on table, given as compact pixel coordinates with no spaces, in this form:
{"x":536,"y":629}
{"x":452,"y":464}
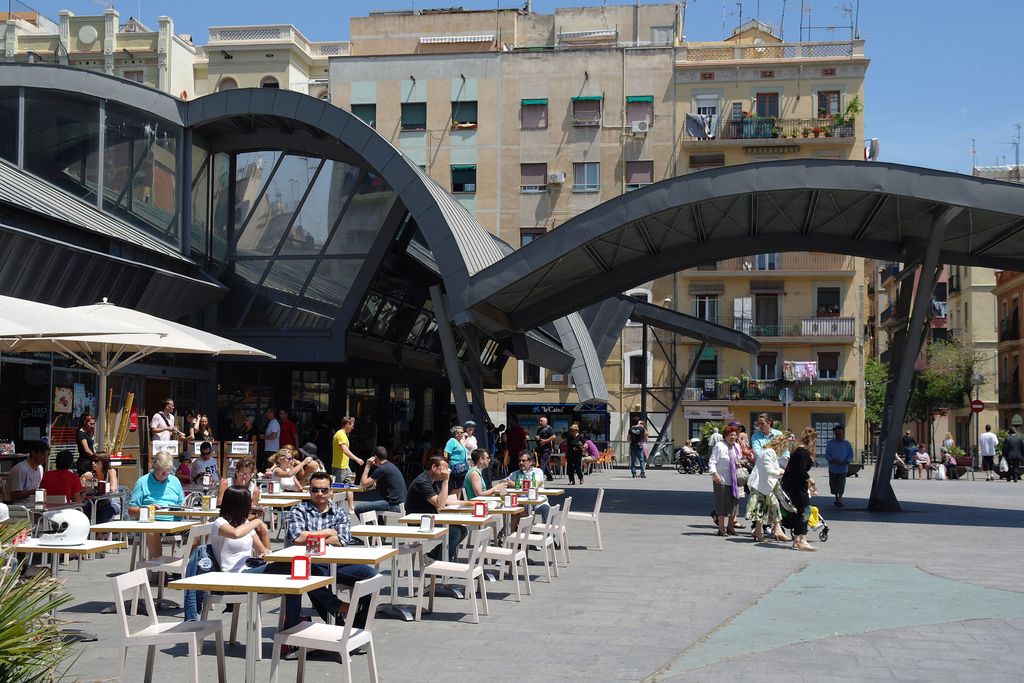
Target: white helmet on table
{"x":64,"y":527}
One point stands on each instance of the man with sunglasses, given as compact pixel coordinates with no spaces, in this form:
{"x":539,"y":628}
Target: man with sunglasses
{"x":529,"y":470}
{"x":319,"y":516}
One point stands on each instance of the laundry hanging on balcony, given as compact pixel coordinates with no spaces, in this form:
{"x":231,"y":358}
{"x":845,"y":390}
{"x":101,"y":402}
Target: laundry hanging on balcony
{"x":698,"y":126}
{"x":795,"y":371}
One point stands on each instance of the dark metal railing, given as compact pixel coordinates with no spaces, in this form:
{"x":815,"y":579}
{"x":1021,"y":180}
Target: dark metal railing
{"x":760,"y":128}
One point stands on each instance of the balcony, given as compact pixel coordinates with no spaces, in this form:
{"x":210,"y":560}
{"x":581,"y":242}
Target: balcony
{"x":1009,"y":328}
{"x":719,"y":52}
{"x":796,"y":261}
{"x":795,"y":131}
{"x":889,"y":272}
{"x":1009,"y":392}
{"x":834,"y":390}
{"x":795,"y":326}
{"x":885,"y":317}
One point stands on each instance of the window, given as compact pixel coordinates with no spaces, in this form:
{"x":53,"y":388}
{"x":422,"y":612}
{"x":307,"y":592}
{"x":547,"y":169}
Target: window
{"x":766,"y":262}
{"x":637,"y":367}
{"x":640,"y":295}
{"x":227,"y":84}
{"x":527,"y":235}
{"x":828,"y":302}
{"x":743,"y":314}
{"x":639,"y":174}
{"x":367,"y":113}
{"x":706,"y":374}
{"x":828,"y":103}
{"x":414,"y":116}
{"x":640,"y":108}
{"x":824,"y":423}
{"x":705,"y":307}
{"x":586,"y":176}
{"x":464,"y":178}
{"x":586,"y":110}
{"x":767,"y":365}
{"x":136,"y":76}
{"x":828,"y":364}
{"x":269,"y":82}
{"x":533,"y":177}
{"x":767,"y":104}
{"x":464,"y":115}
{"x":530,"y":375}
{"x":707,"y":106}
{"x":533,"y":114}
{"x":701,"y":161}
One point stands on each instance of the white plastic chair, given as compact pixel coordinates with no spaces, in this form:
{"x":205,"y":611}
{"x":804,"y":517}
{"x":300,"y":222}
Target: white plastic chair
{"x":471,"y":571}
{"x":559,"y":531}
{"x":409,"y":552}
{"x":175,"y":564}
{"x":513,"y":555}
{"x":594,"y":517}
{"x":192,"y":633}
{"x":545,"y":538}
{"x":340,"y":639}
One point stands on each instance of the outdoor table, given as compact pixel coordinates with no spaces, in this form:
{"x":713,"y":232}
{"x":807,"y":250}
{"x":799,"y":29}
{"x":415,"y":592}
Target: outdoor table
{"x":504,"y":512}
{"x":36,"y":512}
{"x":189,"y":512}
{"x":542,"y":492}
{"x":446,"y":519}
{"x":293,"y":495}
{"x":252,"y":584}
{"x":277,"y":507}
{"x":133,"y":526}
{"x":87,"y":547}
{"x":395,"y":532}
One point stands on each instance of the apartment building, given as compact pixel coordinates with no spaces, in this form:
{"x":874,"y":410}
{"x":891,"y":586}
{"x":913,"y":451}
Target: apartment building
{"x":531,"y":119}
{"x":1008,"y":291}
{"x":973,"y":319}
{"x":160,"y":59}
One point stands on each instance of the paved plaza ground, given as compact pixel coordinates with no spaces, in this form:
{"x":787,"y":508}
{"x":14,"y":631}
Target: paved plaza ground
{"x":932,"y":593}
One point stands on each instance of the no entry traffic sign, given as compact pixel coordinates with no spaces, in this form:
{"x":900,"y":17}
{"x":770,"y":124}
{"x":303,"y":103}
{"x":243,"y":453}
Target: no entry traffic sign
{"x":977,"y":406}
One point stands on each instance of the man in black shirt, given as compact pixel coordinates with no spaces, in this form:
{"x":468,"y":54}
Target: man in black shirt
{"x":428,"y":495}
{"x":545,"y":444}
{"x":1013,"y":451}
{"x":386,"y":478}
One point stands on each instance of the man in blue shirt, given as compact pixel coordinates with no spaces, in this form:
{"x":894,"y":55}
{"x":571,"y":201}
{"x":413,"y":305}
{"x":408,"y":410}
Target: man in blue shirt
{"x":764,"y":434}
{"x":839,"y":454}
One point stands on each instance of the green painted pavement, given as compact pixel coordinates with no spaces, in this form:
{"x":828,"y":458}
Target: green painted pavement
{"x":826,"y":599}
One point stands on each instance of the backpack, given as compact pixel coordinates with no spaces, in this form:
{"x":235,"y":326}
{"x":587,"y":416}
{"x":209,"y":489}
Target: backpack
{"x":201,"y":561}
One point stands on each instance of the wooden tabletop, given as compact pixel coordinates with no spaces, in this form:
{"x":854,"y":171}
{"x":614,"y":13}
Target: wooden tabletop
{"x":84,"y":548}
{"x":449,"y":518}
{"x":248,"y":582}
{"x":396,"y":531}
{"x":462,"y":510}
{"x":353,"y":554}
{"x":190,"y":512}
{"x":543,"y":492}
{"x":278,"y":502}
{"x":137,"y":527}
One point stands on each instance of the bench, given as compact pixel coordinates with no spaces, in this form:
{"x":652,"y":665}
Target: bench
{"x":964,"y":464}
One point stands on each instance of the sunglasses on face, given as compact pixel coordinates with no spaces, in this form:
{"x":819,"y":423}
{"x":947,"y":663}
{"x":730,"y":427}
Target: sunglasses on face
{"x":318,"y":489}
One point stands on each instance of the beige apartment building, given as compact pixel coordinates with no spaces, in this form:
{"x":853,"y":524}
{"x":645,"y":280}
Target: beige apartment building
{"x":531,"y":119}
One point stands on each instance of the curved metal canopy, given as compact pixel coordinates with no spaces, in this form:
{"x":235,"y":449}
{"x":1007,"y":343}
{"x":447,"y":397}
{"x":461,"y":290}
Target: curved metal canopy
{"x":877,"y":210}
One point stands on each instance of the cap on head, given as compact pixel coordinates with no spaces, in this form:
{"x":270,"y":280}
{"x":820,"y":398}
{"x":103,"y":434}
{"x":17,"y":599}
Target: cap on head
{"x":469,"y":423}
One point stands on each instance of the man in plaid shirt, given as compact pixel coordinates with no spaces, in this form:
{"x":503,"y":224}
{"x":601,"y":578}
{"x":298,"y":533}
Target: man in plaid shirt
{"x":319,"y":516}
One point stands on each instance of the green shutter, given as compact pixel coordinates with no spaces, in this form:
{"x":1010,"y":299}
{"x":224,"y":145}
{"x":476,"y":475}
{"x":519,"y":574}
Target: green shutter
{"x":588,"y":98}
{"x":640,"y":98}
{"x":708,"y":354}
{"x":463,"y":167}
{"x":536,"y":101}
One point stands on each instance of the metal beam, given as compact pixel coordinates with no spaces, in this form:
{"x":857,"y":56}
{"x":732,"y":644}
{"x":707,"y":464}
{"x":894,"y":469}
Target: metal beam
{"x":690,"y":326}
{"x":906,"y":347}
{"x":450,"y":352}
{"x":679,"y":397}
{"x":999,"y":239}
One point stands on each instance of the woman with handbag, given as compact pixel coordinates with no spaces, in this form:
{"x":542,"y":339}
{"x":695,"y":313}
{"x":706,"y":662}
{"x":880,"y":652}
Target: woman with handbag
{"x":797,"y":483}
{"x":457,"y":455}
{"x":724,"y":462}
{"x":762,"y":506}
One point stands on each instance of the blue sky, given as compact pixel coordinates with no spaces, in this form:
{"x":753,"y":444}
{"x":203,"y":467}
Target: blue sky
{"x":942,"y":71}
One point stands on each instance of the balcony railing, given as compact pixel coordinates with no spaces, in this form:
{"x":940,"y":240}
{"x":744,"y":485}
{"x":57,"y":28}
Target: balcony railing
{"x":787,"y":262}
{"x":1009,"y":392}
{"x":1009,"y":329}
{"x":748,"y":52}
{"x":891,"y":270}
{"x":837,"y":390}
{"x":790,"y":326}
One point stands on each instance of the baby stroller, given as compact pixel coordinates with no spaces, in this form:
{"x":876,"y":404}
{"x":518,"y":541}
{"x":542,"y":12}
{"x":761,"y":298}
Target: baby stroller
{"x":815,"y":522}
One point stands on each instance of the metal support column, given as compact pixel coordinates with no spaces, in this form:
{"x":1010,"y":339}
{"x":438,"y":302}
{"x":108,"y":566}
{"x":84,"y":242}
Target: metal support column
{"x":906,"y":347}
{"x":663,"y":434}
{"x":451,"y":353}
{"x":474,"y":377}
{"x":643,"y":380}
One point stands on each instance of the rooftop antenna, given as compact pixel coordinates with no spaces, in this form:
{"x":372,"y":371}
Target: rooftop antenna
{"x":974,"y":157}
{"x":782,"y":22}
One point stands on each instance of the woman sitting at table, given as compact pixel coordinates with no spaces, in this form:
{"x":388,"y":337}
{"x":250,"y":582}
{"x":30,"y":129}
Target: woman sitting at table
{"x":62,"y":481}
{"x":243,"y":478}
{"x":102,"y":471}
{"x":157,"y":488}
{"x":286,"y":471}
{"x":473,"y":487}
{"x":236,"y":540}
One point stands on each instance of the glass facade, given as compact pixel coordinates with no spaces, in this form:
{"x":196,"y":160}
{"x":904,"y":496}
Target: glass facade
{"x":9,"y":124}
{"x":62,"y":140}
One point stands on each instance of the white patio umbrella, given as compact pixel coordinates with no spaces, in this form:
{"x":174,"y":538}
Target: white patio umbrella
{"x":21,"y":320}
{"x":106,"y":354}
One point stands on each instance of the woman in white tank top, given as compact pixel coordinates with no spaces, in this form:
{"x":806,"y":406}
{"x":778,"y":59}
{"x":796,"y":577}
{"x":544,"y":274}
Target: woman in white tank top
{"x":235,"y":537}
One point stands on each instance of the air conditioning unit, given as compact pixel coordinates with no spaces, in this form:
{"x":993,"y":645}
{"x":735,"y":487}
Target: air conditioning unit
{"x":691,"y":394}
{"x":639,"y":127}
{"x":556,"y":178}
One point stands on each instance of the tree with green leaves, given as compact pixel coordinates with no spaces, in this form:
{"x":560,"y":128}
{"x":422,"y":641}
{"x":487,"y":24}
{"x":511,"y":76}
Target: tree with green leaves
{"x":876,"y":376}
{"x":945,"y":383}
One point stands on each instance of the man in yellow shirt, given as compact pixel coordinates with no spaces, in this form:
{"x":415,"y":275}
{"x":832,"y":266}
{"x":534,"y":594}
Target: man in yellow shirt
{"x":341,"y":452}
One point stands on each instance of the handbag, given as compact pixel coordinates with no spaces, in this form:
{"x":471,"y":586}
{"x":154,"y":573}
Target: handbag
{"x":460,"y":468}
{"x":254,"y":562}
{"x":1003,"y":465}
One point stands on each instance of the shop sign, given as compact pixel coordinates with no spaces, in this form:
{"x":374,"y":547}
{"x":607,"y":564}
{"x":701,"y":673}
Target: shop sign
{"x":720,"y":413}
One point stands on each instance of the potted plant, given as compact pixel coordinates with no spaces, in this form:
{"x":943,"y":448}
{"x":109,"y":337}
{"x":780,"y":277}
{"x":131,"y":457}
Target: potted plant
{"x":807,"y":132}
{"x":816,"y":131}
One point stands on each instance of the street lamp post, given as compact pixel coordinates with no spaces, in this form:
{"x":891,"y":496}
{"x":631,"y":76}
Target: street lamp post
{"x":977,"y":379}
